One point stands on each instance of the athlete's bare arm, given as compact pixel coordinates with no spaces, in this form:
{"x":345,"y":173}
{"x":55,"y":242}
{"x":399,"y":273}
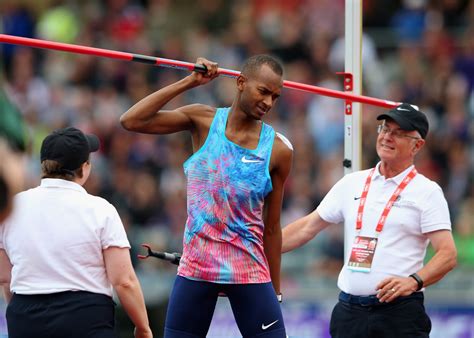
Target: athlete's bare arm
{"x":280,"y":166}
{"x":146,"y":115}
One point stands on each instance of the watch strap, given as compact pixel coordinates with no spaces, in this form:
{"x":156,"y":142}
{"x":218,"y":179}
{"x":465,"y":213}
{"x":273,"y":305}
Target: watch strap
{"x":418,"y":279}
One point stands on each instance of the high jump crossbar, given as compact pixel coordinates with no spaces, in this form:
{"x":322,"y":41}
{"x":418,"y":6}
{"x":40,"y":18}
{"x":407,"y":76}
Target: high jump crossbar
{"x":162,"y":62}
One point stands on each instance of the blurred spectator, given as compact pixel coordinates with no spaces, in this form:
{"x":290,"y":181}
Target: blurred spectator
{"x":464,"y":235}
{"x":12,"y":144}
{"x":16,"y":19}
{"x":11,"y":178}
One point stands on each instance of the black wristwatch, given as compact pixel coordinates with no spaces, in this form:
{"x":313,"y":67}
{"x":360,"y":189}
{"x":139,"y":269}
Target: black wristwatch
{"x":279,"y":297}
{"x":418,"y":279}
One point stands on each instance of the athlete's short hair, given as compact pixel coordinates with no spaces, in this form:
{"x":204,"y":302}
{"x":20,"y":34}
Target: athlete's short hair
{"x":253,"y":64}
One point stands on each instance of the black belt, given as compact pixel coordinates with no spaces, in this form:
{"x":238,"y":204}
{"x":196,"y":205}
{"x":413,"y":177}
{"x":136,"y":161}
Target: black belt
{"x":372,"y":300}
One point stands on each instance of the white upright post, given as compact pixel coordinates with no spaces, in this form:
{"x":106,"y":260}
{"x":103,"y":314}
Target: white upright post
{"x":353,"y":65}
{"x":352,"y":120}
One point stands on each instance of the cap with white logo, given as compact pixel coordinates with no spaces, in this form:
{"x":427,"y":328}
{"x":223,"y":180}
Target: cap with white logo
{"x":408,"y":118}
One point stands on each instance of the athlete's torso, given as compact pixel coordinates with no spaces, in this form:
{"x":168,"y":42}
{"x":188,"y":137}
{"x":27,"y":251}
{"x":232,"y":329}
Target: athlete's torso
{"x":227,"y":185}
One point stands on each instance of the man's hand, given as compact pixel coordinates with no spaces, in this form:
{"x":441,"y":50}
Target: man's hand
{"x":391,"y":288}
{"x":203,"y":78}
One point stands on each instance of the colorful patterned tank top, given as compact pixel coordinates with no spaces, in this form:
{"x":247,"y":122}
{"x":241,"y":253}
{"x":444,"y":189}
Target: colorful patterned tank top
{"x":226,"y":186}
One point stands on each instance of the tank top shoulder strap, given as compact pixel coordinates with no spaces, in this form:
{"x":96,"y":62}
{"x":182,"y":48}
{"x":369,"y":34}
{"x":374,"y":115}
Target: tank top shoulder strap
{"x":267,"y":138}
{"x":219,"y":122}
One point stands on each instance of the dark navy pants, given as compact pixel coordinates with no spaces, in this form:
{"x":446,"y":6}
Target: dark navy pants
{"x":192,"y":303}
{"x":59,"y":315}
{"x":365,"y":317}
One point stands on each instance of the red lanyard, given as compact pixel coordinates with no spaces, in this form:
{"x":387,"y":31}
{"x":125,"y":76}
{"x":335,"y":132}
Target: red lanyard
{"x":389,"y":204}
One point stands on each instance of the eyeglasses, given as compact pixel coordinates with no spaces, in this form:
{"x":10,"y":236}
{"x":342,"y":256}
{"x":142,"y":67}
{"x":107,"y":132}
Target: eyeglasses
{"x":397,"y":133}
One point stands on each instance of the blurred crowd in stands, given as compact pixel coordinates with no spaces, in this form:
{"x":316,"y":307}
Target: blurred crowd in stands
{"x":416,"y":51}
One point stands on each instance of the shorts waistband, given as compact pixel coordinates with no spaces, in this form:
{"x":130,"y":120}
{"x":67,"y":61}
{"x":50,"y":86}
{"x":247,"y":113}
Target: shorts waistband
{"x":84,"y":296}
{"x":372,"y":300}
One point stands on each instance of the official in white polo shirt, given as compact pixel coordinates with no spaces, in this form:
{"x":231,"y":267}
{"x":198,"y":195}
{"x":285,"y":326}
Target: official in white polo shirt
{"x":391,"y":213}
{"x":63,"y":251}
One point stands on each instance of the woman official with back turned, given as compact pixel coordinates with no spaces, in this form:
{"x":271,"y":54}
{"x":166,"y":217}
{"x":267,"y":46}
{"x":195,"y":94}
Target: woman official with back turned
{"x":63,"y":251}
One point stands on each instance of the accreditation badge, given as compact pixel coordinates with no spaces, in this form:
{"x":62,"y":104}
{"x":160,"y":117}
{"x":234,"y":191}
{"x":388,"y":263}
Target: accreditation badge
{"x":362,"y":254}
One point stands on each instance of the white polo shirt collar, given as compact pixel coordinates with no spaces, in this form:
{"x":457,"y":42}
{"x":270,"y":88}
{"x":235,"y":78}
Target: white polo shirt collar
{"x":63,"y":184}
{"x":396,"y":179}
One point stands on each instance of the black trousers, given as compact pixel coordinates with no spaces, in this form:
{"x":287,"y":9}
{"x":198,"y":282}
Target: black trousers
{"x":68,"y":314}
{"x":404,"y":317}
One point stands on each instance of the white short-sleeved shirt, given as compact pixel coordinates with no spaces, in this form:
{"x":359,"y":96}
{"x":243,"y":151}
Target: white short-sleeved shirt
{"x":55,"y":236}
{"x":421,"y":208}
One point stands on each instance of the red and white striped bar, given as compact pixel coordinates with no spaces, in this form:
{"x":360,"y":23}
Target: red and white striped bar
{"x":162,"y":62}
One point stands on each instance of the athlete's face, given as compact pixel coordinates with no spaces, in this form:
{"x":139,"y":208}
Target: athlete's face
{"x":259,"y":91}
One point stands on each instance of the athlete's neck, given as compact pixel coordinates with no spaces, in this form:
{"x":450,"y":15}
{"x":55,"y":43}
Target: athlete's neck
{"x":239,"y":120}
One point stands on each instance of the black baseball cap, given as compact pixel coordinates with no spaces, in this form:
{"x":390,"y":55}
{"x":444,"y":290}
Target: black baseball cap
{"x":69,"y":146}
{"x":408,"y":118}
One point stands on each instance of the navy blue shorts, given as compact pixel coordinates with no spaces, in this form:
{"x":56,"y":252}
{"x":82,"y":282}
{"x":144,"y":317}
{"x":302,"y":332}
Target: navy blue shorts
{"x":192,"y":303}
{"x":68,"y":314}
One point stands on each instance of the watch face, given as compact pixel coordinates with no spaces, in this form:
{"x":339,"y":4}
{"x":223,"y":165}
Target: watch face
{"x":280,"y":297}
